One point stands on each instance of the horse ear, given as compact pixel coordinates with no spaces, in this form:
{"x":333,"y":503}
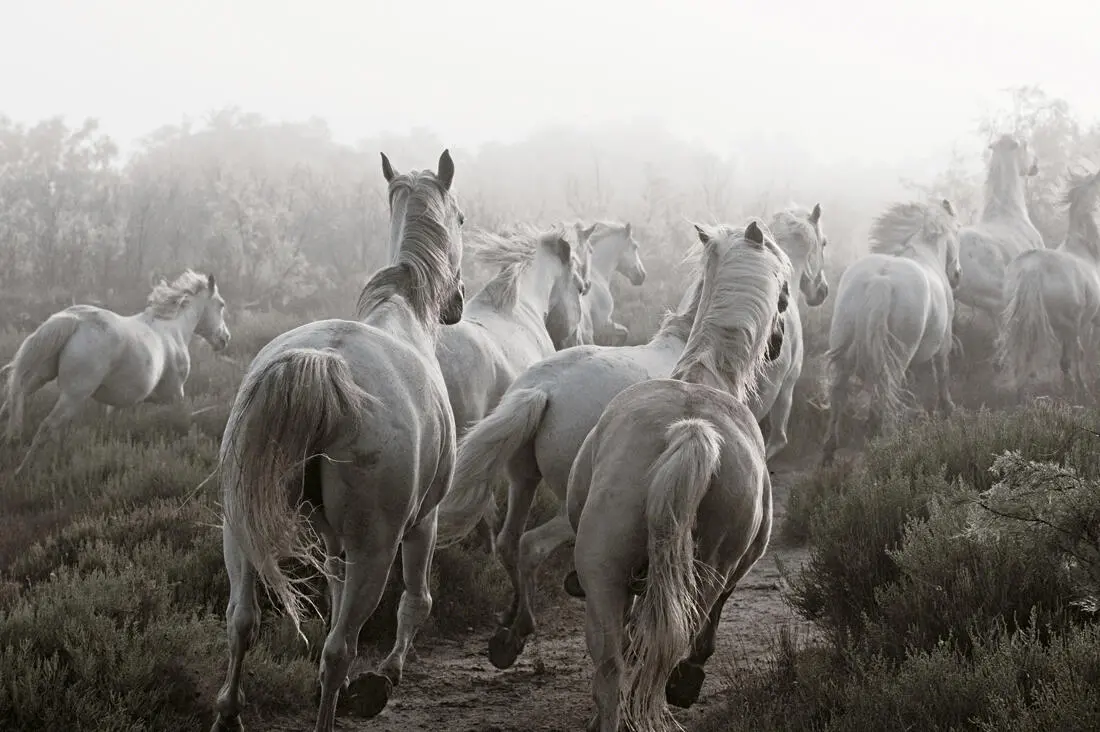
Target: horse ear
{"x":626,"y":229}
{"x":815,"y":215}
{"x":387,"y":169}
{"x":446,"y":170}
{"x":564,"y":251}
{"x":754,"y":234}
{"x":210,"y":283}
{"x":588,"y":232}
{"x":948,"y":207}
{"x":702,"y":233}
{"x":1034,"y":169}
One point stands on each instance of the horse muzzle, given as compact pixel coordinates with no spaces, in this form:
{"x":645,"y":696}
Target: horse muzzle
{"x":452,"y":311}
{"x":775,"y":343}
{"x":219,"y":341}
{"x":818,"y":296}
{"x":637,"y":277}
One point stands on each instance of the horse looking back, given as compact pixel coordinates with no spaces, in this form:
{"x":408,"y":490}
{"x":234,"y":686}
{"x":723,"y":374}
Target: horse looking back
{"x":672,"y":484}
{"x":1052,"y":298}
{"x":893,"y":311}
{"x":1004,"y":231}
{"x":342,"y":430}
{"x":96,"y":354}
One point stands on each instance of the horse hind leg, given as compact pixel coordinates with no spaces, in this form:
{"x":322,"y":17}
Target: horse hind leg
{"x":367,"y":694}
{"x":838,"y":402}
{"x":523,"y":483}
{"x":63,"y":412}
{"x":242,"y":618}
{"x":620,"y":334}
{"x":778,"y":418}
{"x":605,"y":618}
{"x":535,"y":545}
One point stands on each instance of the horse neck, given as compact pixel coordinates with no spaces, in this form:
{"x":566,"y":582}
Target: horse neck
{"x":931,"y":258}
{"x":605,"y":256}
{"x":725,"y":371}
{"x":396,"y":317}
{"x":1005,"y":196}
{"x":536,"y":284}
{"x":179,"y":329}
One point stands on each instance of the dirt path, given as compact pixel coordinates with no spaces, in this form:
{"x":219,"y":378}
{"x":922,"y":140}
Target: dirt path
{"x":451,"y":686}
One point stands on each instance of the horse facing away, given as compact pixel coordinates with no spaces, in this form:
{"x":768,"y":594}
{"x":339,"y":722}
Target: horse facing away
{"x":614,"y":249}
{"x":569,"y":321}
{"x":1004,"y":231}
{"x":672,"y":484}
{"x":894,"y":310}
{"x":503,"y":327}
{"x":1052,"y":298}
{"x":342,"y":430}
{"x":799,"y":234}
{"x":117,"y":360}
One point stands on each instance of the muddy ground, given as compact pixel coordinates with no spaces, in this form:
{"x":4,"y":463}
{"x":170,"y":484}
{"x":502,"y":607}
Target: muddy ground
{"x":450,"y":686}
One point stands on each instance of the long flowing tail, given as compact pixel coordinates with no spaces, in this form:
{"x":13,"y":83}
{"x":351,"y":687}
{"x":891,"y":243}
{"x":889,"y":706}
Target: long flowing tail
{"x":876,"y":355}
{"x":666,"y":616}
{"x":35,"y":363}
{"x":482,"y":453}
{"x":1026,"y":335}
{"x":295,"y":407}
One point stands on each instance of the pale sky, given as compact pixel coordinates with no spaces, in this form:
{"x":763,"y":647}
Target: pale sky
{"x":866,"y":79}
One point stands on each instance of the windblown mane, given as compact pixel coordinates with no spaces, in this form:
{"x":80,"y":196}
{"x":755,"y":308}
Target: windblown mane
{"x":603,"y":230}
{"x":893,"y":231}
{"x":511,"y":255}
{"x":1081,"y":199}
{"x":736,"y":309}
{"x":421,"y":275}
{"x":168,"y":299}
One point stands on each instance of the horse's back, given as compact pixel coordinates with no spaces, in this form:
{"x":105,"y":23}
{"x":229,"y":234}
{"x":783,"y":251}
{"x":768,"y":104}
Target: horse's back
{"x":1068,"y":284}
{"x":619,"y":456}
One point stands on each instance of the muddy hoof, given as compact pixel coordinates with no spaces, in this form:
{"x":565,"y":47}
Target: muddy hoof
{"x":682,"y":689}
{"x":572,"y":585}
{"x":366,"y":696}
{"x":504,"y":649}
{"x":233,"y":724}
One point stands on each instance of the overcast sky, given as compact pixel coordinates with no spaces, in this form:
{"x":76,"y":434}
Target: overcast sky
{"x":869,"y":79}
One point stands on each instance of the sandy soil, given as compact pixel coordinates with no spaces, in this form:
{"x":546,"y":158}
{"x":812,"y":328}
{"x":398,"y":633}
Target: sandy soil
{"x":450,"y":686}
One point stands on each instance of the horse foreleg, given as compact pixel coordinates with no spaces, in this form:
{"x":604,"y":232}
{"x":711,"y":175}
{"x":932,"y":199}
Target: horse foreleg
{"x":62,"y":413}
{"x":535,"y":545}
{"x":1080,"y":380}
{"x":620,"y":334}
{"x":242,"y":619}
{"x":417,"y":550}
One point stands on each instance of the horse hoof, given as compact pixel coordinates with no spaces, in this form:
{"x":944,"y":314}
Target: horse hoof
{"x":682,"y":689}
{"x":366,"y":696}
{"x":232,"y":724}
{"x":572,"y":585}
{"x":504,"y":649}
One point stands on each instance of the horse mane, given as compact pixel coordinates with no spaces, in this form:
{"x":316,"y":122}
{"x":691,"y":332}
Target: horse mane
{"x":603,"y":230}
{"x":735,"y":304}
{"x":1004,"y":150}
{"x":893,"y":231}
{"x":422,"y":271}
{"x":511,"y":254}
{"x":168,"y":298}
{"x":1081,"y":198}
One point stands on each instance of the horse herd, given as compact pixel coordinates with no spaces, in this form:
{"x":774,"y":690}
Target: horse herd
{"x":349,"y":440}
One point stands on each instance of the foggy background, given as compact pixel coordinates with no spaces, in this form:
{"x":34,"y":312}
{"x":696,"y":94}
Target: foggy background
{"x":243,"y":137}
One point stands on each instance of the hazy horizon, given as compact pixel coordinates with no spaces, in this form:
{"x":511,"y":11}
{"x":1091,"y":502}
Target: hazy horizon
{"x":856,"y":82}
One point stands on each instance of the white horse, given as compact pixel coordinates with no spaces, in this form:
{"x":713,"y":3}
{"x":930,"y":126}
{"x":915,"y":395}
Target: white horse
{"x":343,"y":430}
{"x":893,"y":311}
{"x":1004,"y":230}
{"x":614,"y":249}
{"x":799,"y":234}
{"x":1052,"y":298}
{"x":503,"y":327}
{"x":569,"y":321}
{"x":672,"y":485}
{"x":534,"y":434}
{"x":118,"y":360}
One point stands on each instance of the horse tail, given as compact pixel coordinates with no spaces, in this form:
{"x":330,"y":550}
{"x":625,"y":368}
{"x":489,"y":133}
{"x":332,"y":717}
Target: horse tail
{"x":1026,"y":332}
{"x":482,"y":453}
{"x":36,"y":362}
{"x":292,"y":409}
{"x":668,"y":612}
{"x":876,"y":355}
